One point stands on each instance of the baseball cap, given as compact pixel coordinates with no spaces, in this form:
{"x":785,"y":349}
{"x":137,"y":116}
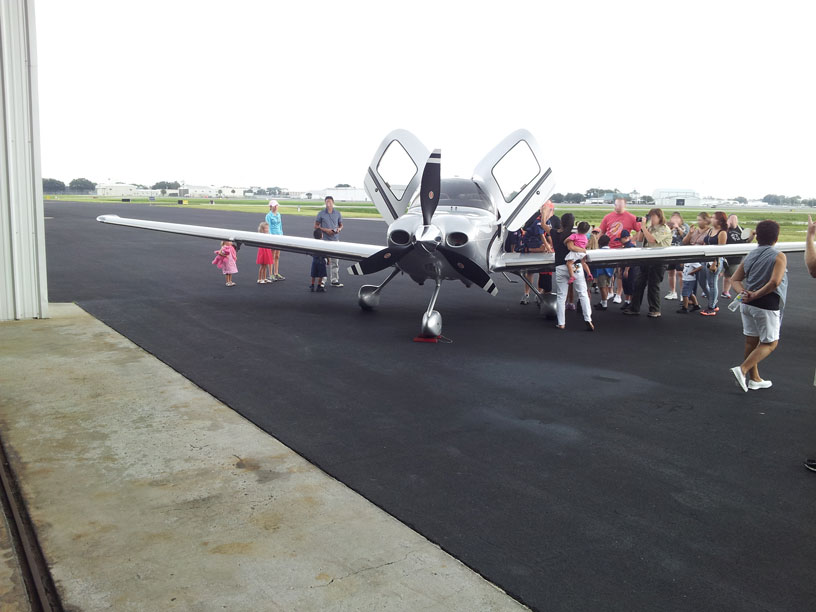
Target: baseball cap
{"x":624,"y":234}
{"x":273,"y":203}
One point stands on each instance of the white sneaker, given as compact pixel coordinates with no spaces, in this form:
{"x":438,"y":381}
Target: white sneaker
{"x":616,"y":299}
{"x":671,"y":295}
{"x":762,"y":384}
{"x":737,"y":372}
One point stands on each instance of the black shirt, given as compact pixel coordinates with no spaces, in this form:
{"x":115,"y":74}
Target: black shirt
{"x":561,"y":249}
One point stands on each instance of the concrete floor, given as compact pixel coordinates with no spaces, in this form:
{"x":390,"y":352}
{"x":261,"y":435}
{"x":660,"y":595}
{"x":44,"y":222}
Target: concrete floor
{"x":13,"y":596}
{"x":149,"y":494}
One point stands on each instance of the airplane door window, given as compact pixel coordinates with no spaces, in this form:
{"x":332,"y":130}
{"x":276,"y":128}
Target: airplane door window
{"x":396,"y":168}
{"x":515,"y":170}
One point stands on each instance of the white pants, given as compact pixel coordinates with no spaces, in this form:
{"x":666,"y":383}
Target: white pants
{"x":334,"y":269}
{"x":579,"y":287}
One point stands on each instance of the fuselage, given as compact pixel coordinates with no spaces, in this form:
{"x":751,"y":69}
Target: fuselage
{"x":465,"y":221}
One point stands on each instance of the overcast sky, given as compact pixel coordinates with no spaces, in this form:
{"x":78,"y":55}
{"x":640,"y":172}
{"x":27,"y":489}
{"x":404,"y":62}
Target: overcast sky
{"x":712,"y":96}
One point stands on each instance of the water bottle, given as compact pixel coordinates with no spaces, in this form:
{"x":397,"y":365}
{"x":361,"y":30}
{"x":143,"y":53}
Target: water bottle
{"x":735,"y":303}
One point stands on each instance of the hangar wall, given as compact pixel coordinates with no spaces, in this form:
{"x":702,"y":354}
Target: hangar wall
{"x":23,"y":281}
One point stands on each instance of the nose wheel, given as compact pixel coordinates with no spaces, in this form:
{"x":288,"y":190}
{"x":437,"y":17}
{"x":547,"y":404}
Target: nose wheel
{"x":432,"y":320}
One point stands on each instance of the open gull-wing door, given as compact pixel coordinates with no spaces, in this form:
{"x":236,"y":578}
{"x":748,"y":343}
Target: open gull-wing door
{"x":395,"y":173}
{"x":517,"y":178}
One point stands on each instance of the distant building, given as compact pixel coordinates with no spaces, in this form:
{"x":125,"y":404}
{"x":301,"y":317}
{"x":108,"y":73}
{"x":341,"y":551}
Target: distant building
{"x":340,"y":194}
{"x":667,"y":198}
{"x":125,"y":190}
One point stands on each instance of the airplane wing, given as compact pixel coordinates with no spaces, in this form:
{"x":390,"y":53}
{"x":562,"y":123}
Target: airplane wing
{"x":516,"y":262}
{"x":351,"y":251}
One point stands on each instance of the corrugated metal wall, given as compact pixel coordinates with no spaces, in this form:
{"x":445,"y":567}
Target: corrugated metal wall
{"x":23,"y":281}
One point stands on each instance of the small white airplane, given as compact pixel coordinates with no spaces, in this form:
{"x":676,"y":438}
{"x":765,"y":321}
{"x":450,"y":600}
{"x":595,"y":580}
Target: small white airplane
{"x":452,"y":229}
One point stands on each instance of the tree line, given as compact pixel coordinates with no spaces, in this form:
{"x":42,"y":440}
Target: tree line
{"x":83,"y":185}
{"x":594,"y":192}
{"x":780,"y":200}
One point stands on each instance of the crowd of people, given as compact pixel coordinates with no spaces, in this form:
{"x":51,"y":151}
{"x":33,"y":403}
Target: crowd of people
{"x":628,"y":285}
{"x":759,"y":280}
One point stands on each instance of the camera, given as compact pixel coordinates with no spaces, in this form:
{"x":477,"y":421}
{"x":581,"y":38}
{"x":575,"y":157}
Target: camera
{"x":638,"y":219}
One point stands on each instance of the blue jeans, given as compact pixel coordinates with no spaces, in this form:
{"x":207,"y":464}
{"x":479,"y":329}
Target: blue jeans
{"x":711,"y":284}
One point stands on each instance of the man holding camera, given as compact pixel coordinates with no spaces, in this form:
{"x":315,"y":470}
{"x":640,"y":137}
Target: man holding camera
{"x":330,"y":222}
{"x":612,"y":225}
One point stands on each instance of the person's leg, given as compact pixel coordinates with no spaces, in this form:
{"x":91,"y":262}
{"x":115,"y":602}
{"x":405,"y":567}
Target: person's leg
{"x":760,"y":352}
{"x":580,"y":287}
{"x":751,"y":342}
{"x":714,"y":295}
{"x":561,"y":276}
{"x":656,"y":272}
{"x":334,"y":264}
{"x":529,"y":276}
{"x":640,"y":287}
{"x":672,"y":284}
{"x":727,"y":287}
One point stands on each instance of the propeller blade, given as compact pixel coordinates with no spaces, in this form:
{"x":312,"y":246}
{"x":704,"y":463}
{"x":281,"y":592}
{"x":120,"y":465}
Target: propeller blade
{"x":431,"y":183}
{"x":470,"y":270}
{"x":379,"y":260}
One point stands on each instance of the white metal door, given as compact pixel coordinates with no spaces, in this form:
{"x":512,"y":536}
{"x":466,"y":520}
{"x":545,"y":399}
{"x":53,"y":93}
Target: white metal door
{"x":517,"y":178}
{"x":395,"y":173}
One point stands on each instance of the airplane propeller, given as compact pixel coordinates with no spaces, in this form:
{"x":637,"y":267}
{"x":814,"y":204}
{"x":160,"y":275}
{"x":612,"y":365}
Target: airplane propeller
{"x":428,"y":237}
{"x":430,"y":186}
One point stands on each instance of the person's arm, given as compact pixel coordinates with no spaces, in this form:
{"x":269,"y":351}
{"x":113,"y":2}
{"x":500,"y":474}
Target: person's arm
{"x":687,"y":239}
{"x":776,"y":279}
{"x":722,"y":238}
{"x":810,"y":248}
{"x":648,"y":236}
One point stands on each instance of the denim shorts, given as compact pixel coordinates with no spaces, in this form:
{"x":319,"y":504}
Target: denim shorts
{"x":689,"y":288}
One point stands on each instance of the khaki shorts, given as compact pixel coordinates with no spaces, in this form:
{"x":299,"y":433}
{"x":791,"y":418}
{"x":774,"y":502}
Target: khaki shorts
{"x":604,"y":281}
{"x":761,"y":323}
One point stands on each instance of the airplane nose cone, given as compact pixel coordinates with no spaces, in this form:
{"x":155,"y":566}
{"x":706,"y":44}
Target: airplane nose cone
{"x":428,"y":237}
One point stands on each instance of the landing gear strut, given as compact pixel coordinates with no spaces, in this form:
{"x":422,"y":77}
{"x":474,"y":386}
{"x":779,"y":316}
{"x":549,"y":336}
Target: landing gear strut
{"x":432,"y":320}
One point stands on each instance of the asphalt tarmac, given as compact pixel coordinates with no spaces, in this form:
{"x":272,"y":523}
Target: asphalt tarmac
{"x":616,"y":470}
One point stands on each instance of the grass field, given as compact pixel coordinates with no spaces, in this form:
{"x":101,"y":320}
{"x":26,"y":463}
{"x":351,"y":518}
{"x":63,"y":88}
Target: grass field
{"x":793,"y":222}
{"x":287,"y":207}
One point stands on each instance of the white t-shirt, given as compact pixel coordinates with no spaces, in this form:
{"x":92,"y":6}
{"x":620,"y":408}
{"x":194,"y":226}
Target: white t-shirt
{"x":688,"y":268}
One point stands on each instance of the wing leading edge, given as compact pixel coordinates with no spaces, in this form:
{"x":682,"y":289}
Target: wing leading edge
{"x":351,"y":251}
{"x":513,"y":262}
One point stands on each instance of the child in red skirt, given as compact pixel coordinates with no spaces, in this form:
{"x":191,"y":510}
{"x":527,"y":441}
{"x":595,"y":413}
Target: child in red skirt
{"x":264,"y":259}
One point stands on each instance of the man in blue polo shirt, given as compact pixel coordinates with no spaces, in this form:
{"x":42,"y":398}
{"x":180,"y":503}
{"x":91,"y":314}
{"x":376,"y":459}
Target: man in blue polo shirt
{"x":330,"y":222}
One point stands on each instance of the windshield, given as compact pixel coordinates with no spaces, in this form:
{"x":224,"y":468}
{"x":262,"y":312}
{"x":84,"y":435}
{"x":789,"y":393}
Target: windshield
{"x":460,"y":192}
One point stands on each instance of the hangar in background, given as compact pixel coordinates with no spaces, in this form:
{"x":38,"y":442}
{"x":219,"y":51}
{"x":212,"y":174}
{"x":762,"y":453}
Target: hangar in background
{"x":23,"y":282}
{"x":666,"y":198}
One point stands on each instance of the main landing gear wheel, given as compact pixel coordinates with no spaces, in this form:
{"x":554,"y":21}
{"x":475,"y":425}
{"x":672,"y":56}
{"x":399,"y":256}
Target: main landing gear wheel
{"x":546,"y":305}
{"x":369,"y":295}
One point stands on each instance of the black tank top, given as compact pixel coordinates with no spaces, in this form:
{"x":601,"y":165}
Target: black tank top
{"x":715,"y":239}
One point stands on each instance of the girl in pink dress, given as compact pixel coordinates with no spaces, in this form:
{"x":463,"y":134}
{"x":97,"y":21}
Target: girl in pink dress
{"x":264,"y":259}
{"x":226,"y":258}
{"x":574,"y":258}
